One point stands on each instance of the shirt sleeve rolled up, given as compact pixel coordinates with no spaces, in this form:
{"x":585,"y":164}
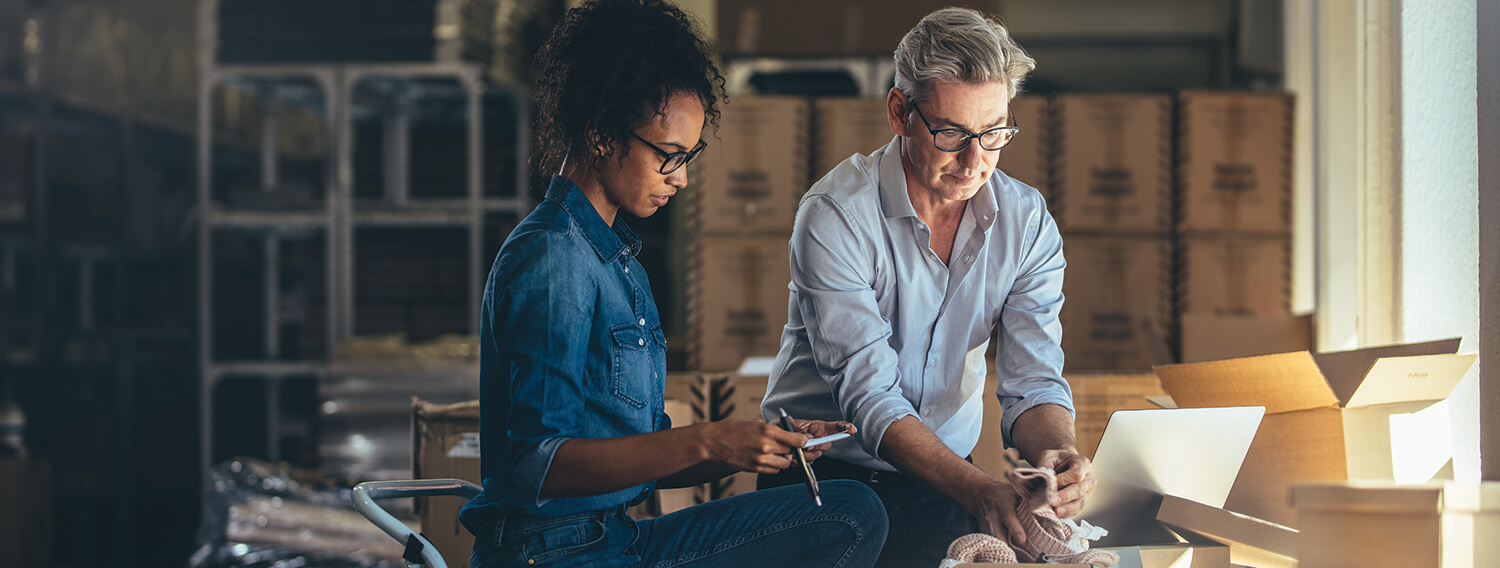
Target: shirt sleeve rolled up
{"x":832,"y":273}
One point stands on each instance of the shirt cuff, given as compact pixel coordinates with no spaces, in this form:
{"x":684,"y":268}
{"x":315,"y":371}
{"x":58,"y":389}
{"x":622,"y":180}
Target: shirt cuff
{"x":532,"y":466}
{"x":1013,"y":407}
{"x":877,"y":416}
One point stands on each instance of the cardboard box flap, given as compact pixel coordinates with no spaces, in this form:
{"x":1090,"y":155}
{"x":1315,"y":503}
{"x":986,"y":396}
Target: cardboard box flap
{"x":1251,"y":541}
{"x":1345,"y":369}
{"x":1282,"y":383}
{"x":1411,"y":379}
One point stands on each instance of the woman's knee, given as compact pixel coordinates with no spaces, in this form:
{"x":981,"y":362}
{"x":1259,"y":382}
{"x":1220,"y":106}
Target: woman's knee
{"x":859,"y":502}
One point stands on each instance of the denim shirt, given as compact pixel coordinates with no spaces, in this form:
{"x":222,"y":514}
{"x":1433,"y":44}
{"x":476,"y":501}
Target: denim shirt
{"x":880,"y":328}
{"x":571,"y":346}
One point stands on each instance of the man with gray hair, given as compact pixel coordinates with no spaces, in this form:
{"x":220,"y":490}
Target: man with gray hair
{"x":903,"y":261}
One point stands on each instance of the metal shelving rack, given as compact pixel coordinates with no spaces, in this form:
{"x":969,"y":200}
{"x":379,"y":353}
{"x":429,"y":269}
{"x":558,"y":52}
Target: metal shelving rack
{"x":329,"y":89}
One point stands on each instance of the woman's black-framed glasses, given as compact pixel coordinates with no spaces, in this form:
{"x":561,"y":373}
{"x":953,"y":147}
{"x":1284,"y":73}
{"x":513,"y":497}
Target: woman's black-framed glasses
{"x":670,"y":161}
{"x":955,"y":139}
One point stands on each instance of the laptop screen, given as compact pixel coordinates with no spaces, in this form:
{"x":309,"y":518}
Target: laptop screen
{"x":1193,"y":453}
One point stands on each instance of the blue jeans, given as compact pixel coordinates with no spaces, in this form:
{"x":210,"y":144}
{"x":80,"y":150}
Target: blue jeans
{"x":775,"y":527}
{"x":923,"y":522}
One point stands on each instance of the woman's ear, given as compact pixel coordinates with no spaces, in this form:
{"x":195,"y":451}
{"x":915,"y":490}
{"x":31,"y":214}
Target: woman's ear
{"x":597,"y":148}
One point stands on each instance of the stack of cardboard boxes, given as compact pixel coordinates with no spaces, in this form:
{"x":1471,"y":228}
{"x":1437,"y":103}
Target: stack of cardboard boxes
{"x":1234,"y":154}
{"x":1111,"y":188}
{"x":744,"y":191}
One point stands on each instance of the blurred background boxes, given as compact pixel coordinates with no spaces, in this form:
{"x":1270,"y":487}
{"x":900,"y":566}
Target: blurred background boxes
{"x":738,"y":300}
{"x":843,"y":127}
{"x":445,"y":445}
{"x":1113,"y":168}
{"x":1234,"y":274}
{"x":1117,"y":307}
{"x":1028,"y":158}
{"x":750,"y":179}
{"x":1234,"y":160}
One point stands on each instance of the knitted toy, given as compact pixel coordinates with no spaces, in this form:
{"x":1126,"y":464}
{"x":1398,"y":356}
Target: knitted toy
{"x":1048,"y":538}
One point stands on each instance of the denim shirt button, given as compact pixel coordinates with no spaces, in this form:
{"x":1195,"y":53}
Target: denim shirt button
{"x":640,"y":342}
{"x":641,"y":321}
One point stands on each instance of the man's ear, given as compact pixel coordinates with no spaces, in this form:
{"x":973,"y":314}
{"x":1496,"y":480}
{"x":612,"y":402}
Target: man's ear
{"x":895,"y":111}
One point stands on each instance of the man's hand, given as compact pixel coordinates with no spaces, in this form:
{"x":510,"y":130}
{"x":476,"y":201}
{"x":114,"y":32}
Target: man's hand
{"x":818,"y":429}
{"x":995,"y":507}
{"x":1075,"y":479}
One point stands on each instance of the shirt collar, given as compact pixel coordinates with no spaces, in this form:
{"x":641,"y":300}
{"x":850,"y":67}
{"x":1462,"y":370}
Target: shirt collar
{"x":896,"y":202}
{"x":610,"y":242}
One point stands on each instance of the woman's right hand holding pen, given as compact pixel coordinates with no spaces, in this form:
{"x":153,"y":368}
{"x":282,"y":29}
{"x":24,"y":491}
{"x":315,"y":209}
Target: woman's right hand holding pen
{"x":747,"y":445}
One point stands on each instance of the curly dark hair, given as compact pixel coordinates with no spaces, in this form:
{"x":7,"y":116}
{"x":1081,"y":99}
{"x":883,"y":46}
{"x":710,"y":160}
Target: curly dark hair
{"x":610,"y":66}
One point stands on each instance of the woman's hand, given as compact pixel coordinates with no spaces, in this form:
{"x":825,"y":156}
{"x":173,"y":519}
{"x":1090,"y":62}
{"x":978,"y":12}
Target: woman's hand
{"x":818,"y":429}
{"x":747,"y":445}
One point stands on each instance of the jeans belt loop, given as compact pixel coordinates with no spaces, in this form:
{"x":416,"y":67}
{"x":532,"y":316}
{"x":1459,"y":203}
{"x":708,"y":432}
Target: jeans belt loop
{"x":500,"y":530}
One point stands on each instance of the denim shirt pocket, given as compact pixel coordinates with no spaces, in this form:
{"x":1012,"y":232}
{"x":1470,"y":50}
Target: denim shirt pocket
{"x":632,"y":360}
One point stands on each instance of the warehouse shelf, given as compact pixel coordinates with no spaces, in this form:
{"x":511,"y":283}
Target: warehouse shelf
{"x":266,"y":219}
{"x":341,"y":94}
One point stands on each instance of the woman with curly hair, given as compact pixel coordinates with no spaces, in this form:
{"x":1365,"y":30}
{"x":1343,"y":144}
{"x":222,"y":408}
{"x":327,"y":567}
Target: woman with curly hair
{"x":573,"y":359}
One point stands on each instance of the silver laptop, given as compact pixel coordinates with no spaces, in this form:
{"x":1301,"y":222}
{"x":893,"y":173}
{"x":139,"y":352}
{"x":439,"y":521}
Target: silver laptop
{"x":1193,"y":453}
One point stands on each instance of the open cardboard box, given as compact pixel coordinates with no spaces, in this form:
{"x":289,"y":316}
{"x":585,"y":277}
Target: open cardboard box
{"x":1376,"y":413}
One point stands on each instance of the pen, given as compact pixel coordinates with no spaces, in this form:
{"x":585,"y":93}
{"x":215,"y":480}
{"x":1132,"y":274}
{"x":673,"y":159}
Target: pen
{"x":812,"y":480}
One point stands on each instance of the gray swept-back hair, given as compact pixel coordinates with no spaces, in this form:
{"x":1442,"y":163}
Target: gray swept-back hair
{"x":958,"y":45}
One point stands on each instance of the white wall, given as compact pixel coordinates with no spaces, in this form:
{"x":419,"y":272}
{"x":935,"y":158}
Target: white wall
{"x":1439,"y":192}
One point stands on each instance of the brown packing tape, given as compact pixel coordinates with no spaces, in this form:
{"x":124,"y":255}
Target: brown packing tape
{"x":1113,"y":162}
{"x":1234,"y":161}
{"x":1118,"y":301}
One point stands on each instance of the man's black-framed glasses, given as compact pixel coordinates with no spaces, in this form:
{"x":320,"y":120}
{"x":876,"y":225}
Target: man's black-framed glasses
{"x":670,"y":161}
{"x":955,"y":139}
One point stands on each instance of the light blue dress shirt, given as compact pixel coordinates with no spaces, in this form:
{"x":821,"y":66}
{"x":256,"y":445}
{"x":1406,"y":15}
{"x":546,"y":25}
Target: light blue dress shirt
{"x":880,"y":328}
